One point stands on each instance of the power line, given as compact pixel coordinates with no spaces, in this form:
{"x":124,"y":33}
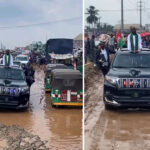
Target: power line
{"x":41,"y":23}
{"x":118,"y":10}
{"x":128,"y":4}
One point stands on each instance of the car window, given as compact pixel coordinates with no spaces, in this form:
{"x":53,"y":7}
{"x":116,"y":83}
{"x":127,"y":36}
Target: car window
{"x":132,"y":61}
{"x":21,"y":58}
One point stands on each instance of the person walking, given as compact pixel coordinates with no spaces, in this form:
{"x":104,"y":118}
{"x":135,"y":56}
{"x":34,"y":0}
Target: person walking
{"x":111,"y":43}
{"x":87,"y":47}
{"x":93,"y":50}
{"x":103,"y":60}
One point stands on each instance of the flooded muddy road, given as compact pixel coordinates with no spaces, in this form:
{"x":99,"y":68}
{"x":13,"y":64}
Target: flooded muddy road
{"x":112,"y":130}
{"x":60,"y":127}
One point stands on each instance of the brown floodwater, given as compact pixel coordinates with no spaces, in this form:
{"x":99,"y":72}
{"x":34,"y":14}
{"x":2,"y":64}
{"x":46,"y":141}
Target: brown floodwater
{"x":61,"y":127}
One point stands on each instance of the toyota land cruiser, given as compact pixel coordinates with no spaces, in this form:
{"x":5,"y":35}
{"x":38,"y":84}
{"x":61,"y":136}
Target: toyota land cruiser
{"x":14,"y":90}
{"x":127,"y":83}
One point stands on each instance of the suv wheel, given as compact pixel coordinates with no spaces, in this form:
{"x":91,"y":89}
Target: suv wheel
{"x":109,"y":107}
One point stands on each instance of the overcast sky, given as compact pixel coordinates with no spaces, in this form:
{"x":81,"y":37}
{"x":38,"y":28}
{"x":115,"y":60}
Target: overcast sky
{"x":114,"y":17}
{"x":24,"y":12}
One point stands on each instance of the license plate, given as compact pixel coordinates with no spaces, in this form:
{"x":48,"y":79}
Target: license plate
{"x":134,"y":83}
{"x":63,"y":95}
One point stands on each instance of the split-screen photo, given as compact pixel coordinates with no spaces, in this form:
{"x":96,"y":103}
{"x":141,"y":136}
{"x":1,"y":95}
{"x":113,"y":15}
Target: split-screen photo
{"x":74,"y":75}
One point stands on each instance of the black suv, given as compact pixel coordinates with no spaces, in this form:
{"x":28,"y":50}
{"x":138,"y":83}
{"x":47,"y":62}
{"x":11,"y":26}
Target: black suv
{"x":127,"y":83}
{"x":14,"y":89}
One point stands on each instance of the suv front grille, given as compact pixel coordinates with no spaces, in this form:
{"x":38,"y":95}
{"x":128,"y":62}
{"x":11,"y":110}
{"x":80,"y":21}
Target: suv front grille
{"x":134,"y":83}
{"x":10,"y":91}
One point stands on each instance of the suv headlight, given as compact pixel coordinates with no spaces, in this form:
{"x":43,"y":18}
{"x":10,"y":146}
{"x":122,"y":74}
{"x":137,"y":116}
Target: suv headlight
{"x":111,"y":79}
{"x":24,"y":89}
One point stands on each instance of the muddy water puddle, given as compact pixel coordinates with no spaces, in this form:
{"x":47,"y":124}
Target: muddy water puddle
{"x":122,"y":130}
{"x":61,"y":127}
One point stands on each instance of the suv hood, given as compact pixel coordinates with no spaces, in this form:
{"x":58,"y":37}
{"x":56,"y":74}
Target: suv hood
{"x":130,"y":72}
{"x":12,"y":83}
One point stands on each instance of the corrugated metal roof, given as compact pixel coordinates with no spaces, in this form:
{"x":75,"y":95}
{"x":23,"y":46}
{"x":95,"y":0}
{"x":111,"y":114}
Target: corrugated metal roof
{"x":126,"y":26}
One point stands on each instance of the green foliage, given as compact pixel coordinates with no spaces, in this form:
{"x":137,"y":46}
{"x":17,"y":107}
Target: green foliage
{"x":92,"y":17}
{"x":93,"y":21}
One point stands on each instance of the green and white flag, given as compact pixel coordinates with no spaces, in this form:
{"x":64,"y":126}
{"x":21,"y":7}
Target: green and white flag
{"x":119,"y":39}
{"x":121,"y":43}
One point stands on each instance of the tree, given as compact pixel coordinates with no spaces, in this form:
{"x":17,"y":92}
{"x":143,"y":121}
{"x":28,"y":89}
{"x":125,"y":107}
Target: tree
{"x":106,"y":28}
{"x":92,"y":17}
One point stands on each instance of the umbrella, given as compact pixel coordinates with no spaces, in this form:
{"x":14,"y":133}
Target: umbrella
{"x":145,"y":34}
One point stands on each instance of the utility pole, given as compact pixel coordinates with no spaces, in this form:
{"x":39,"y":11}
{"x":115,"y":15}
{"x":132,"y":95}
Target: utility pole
{"x":140,"y":14}
{"x":122,"y":17}
{"x":140,"y":9}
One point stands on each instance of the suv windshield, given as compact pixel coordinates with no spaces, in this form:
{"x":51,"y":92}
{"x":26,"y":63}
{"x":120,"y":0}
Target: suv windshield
{"x":9,"y":73}
{"x":21,"y":58}
{"x":132,"y":61}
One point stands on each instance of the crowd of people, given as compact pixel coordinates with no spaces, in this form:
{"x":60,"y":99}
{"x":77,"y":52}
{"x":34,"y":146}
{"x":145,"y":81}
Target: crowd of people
{"x":146,"y":41}
{"x":98,"y":49}
{"x":99,"y":54}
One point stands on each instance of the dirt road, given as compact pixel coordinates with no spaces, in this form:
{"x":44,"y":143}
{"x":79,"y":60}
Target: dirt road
{"x":61,"y":127}
{"x":112,"y":130}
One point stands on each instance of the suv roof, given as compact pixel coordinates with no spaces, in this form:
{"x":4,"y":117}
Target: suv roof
{"x":67,"y":73}
{"x":125,"y":50}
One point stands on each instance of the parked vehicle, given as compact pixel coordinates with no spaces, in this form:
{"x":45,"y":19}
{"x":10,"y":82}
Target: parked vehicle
{"x":23,"y":59}
{"x":14,"y":89}
{"x":48,"y":70}
{"x":17,"y":63}
{"x":66,"y":87}
{"x":127,"y":83}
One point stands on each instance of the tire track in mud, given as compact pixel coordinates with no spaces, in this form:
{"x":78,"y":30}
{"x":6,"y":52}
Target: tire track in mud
{"x":93,"y":108}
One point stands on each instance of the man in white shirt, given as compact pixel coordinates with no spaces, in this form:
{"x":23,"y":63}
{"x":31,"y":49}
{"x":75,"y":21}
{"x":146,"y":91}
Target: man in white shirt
{"x":134,"y":41}
{"x":8,"y":59}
